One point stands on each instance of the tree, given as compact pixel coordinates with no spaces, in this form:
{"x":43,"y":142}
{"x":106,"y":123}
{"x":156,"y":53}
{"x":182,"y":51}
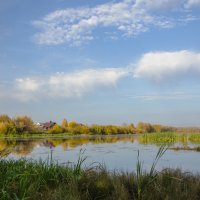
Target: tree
{"x":72,"y":124}
{"x":56,"y":129}
{"x":64,"y":124}
{"x":24,"y":124}
{"x":145,"y":127}
{"x":7,"y":128}
{"x":5,"y":119}
{"x":157,"y":128}
{"x":6,"y":125}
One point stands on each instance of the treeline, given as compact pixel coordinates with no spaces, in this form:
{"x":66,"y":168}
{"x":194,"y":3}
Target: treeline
{"x":25,"y":125}
{"x":17,"y":125}
{"x":78,"y":129}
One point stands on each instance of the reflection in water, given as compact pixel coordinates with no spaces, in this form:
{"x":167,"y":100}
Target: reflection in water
{"x":24,"y":147}
{"x":116,"y":152}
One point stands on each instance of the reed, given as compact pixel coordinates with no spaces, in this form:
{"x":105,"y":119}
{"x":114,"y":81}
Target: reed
{"x":153,"y":138}
{"x":25,"y":179}
{"x":169,"y":137}
{"x":194,"y":138}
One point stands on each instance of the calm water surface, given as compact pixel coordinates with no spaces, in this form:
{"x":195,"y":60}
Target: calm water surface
{"x":115,"y":152}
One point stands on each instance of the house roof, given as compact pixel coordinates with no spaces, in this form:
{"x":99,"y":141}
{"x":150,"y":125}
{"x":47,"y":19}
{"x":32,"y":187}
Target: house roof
{"x":49,"y":124}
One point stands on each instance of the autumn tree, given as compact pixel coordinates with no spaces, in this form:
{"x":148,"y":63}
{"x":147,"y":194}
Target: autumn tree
{"x":5,"y":119}
{"x":145,"y":127}
{"x":64,"y":124}
{"x":56,"y":129}
{"x":24,"y":124}
{"x":6,"y":125}
{"x":7,"y":128}
{"x":72,"y":124}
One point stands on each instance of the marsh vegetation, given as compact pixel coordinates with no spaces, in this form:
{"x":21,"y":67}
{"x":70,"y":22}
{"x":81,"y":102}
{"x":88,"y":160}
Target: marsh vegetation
{"x":25,"y":179}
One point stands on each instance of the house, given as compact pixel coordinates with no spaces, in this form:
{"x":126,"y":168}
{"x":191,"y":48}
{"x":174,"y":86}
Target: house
{"x":47,"y":125}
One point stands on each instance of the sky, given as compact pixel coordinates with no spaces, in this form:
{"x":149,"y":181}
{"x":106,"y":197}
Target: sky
{"x":101,"y":62}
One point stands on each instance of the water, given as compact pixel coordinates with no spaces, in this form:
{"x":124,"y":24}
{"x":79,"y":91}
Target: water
{"x":115,"y":152}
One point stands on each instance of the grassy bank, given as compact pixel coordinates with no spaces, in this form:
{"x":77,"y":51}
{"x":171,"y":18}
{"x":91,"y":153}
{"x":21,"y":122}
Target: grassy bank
{"x":24,"y":179}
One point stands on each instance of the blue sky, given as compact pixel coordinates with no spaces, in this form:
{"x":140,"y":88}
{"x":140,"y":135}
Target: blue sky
{"x":106,"y":62}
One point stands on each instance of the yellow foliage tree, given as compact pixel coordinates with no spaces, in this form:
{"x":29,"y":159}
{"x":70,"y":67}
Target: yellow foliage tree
{"x":24,"y":124}
{"x":72,"y":124}
{"x":64,"y":124}
{"x":56,"y":129}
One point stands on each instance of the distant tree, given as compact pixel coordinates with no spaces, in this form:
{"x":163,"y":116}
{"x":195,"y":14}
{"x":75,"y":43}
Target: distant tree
{"x":24,"y":124}
{"x":64,"y":124}
{"x":97,"y":129}
{"x":157,"y":128}
{"x":80,"y":130}
{"x":56,"y":129}
{"x":72,"y":124}
{"x":145,"y":127}
{"x":7,"y":128}
{"x":5,"y":119}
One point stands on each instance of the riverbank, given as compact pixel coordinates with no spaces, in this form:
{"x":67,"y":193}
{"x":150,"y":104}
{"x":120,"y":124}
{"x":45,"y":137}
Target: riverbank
{"x":143,"y":138}
{"x":24,"y":179}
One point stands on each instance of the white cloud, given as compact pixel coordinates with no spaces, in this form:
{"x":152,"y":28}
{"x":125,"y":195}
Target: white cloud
{"x":192,"y":3}
{"x":159,"y":66}
{"x":74,"y":26}
{"x":27,"y":84}
{"x":155,"y":66}
{"x":79,"y":83}
{"x":67,"y":85}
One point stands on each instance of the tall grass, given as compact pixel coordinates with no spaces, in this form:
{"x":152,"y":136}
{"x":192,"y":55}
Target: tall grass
{"x":25,"y":179}
{"x":169,"y":137}
{"x":194,"y":138}
{"x":144,"y":179}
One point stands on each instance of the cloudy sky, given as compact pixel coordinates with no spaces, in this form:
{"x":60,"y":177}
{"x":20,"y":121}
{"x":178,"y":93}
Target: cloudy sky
{"x":97,"y":61}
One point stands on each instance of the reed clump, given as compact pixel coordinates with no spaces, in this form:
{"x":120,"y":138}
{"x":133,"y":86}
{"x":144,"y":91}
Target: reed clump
{"x":168,"y":137}
{"x":194,"y":138}
{"x":162,"y":138}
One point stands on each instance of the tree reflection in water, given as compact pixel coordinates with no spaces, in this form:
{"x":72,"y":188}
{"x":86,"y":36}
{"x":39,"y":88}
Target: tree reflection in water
{"x":23,"y":147}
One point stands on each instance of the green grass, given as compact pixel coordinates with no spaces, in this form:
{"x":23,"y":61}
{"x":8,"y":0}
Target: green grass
{"x":169,"y":137}
{"x":194,"y":138}
{"x":25,"y":179}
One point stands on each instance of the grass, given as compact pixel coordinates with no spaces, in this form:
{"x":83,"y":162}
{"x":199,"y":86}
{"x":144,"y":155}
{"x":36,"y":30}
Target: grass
{"x":25,"y":179}
{"x":194,"y":138}
{"x":168,"y":137}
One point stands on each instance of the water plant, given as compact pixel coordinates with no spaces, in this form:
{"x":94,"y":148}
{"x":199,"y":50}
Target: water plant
{"x":158,"y":138}
{"x":150,"y":177}
{"x":195,"y":138}
{"x":168,"y":137}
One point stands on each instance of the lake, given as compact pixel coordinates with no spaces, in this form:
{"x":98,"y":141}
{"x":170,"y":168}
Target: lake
{"x":117,"y":152}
